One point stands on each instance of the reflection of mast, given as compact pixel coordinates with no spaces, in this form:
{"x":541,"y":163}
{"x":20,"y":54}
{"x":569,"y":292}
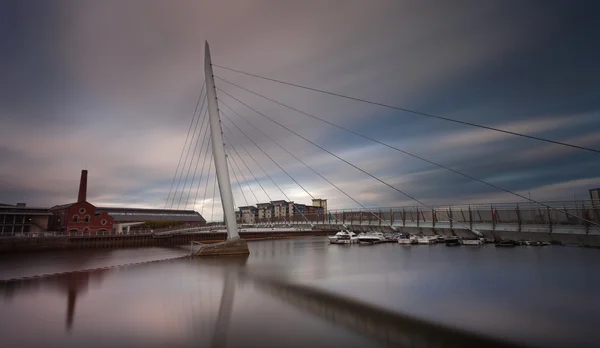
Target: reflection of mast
{"x":72,"y":298}
{"x":233,"y":267}
{"x":224,"y":316}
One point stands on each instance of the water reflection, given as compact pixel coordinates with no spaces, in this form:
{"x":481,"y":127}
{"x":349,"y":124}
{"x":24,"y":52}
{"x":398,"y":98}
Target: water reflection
{"x":303,"y":292}
{"x":71,"y":285}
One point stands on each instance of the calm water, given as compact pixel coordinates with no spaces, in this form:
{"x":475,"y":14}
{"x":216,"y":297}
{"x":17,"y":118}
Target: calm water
{"x":544,"y":296}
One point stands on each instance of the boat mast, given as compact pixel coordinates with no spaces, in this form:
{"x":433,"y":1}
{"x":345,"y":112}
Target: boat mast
{"x":218,"y":147}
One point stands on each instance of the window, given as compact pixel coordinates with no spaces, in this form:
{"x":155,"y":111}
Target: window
{"x":75,"y":218}
{"x":103,"y":222}
{"x":87,"y":218}
{"x":102,"y":230}
{"x":86,"y":230}
{"x":82,"y":211}
{"x":74,"y":230}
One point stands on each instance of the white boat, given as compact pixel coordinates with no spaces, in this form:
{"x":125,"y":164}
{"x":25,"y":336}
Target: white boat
{"x":371,"y":237}
{"x":427,"y":240}
{"x":343,"y":237}
{"x":472,"y":241}
{"x":407,"y":240}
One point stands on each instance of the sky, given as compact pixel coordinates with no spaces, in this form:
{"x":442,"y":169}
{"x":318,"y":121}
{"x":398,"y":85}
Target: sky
{"x":111,"y":87}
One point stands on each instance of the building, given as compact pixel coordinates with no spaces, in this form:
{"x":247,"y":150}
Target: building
{"x":322,"y":203}
{"x":266,"y":211}
{"x":81,"y":217}
{"x":126,"y":215}
{"x":247,"y":215}
{"x":20,"y":219}
{"x":282,"y":210}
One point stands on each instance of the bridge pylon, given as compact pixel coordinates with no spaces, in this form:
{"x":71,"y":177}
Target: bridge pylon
{"x":234,"y":244}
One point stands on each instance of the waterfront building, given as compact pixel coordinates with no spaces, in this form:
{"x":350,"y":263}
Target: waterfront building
{"x":20,"y":219}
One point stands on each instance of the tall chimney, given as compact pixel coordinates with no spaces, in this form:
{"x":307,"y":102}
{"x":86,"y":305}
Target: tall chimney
{"x":82,"y":187}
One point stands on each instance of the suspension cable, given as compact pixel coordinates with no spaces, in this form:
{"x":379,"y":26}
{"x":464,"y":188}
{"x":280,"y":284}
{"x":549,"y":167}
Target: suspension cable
{"x":202,"y":129}
{"x":207,"y":179}
{"x":230,"y":155}
{"x":251,"y":172}
{"x":202,"y":170}
{"x":295,"y":157}
{"x":204,"y":141}
{"x":341,"y":159}
{"x":238,"y":181}
{"x":267,"y":174}
{"x":186,"y":157}
{"x":409,"y":154}
{"x":183,"y":149}
{"x":411,"y":111}
{"x":277,"y":164}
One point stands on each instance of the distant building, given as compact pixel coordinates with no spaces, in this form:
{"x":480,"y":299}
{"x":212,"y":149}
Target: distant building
{"x":266,"y":211}
{"x":318,"y":202}
{"x":282,"y":210}
{"x":247,"y":215}
{"x":20,"y":219}
{"x":124,"y":215}
{"x":81,"y":216}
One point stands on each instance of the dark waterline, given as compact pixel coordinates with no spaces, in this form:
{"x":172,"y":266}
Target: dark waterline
{"x":539,"y":296}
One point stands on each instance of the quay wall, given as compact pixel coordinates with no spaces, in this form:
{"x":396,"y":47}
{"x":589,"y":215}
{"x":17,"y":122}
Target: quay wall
{"x":23,"y":244}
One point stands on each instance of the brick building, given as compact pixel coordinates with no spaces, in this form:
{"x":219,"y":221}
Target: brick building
{"x":81,"y":217}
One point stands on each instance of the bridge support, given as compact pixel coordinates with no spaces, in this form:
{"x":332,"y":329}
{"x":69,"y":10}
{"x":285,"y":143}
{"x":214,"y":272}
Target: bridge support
{"x":233,"y":244}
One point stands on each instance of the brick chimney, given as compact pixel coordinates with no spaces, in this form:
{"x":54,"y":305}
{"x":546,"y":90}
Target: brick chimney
{"x":82,"y":187}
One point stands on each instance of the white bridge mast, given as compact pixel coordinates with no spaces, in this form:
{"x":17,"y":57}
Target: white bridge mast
{"x":218,"y":148}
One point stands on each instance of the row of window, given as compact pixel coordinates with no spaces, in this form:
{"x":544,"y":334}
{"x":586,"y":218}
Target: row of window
{"x":87,"y":219}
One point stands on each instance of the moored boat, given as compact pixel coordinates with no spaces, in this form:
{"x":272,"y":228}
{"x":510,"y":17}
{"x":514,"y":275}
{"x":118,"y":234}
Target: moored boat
{"x":371,"y":238}
{"x":453,"y":242}
{"x":343,"y":237}
{"x":473,"y":241}
{"x":506,"y":243}
{"x":407,"y":239}
{"x":427,"y":240}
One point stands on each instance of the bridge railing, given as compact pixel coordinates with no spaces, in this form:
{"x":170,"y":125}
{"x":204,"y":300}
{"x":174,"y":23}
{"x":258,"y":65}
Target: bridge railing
{"x":523,"y":213}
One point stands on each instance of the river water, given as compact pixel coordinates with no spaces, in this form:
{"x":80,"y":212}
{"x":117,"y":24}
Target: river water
{"x":538,"y":296}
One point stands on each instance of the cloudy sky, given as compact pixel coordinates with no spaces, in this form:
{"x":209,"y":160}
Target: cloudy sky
{"x":111,"y":86}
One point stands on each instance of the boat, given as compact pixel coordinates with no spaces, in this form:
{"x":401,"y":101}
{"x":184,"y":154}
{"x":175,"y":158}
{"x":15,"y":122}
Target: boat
{"x":407,"y":239}
{"x":371,"y":238}
{"x":343,"y":237}
{"x":453,"y":242}
{"x":506,"y":243}
{"x":530,"y":243}
{"x":473,"y":241}
{"x":427,"y":240}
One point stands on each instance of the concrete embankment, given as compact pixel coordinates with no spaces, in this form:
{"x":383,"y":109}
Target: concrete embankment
{"x":16,"y":244}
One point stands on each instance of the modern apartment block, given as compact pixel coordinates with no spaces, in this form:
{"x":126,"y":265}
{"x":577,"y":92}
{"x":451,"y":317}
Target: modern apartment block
{"x":282,"y":210}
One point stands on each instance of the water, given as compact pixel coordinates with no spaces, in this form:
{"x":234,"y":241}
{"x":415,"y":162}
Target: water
{"x":545,"y":296}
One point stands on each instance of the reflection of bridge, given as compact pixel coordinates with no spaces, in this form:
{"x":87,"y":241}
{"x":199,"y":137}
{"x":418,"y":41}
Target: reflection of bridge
{"x":390,"y":328}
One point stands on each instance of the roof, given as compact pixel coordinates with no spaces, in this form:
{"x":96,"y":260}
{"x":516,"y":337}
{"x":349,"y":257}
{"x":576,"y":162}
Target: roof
{"x":62,"y":206}
{"x":140,"y":214}
{"x":12,"y":209}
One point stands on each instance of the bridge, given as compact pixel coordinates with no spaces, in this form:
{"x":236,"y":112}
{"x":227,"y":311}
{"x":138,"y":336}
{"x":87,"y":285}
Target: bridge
{"x":220,"y":122}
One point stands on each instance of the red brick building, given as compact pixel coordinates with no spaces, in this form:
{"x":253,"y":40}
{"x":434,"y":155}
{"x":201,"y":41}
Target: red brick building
{"x":81,"y":217}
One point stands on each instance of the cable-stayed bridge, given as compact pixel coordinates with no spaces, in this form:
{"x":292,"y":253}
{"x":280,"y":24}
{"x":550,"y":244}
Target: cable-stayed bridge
{"x":230,"y":103}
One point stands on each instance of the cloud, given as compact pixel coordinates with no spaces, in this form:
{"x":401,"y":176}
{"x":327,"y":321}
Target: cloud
{"x":111,"y":86}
